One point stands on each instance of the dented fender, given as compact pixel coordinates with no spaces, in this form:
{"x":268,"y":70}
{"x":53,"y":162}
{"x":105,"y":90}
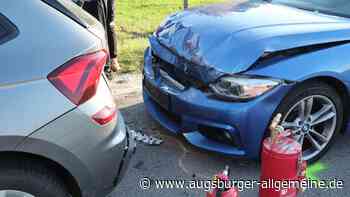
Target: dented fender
{"x":330,"y":62}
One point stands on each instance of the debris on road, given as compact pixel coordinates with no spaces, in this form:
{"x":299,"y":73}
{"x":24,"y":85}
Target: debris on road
{"x":140,"y":136}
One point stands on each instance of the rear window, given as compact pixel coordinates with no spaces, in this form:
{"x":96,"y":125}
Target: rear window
{"x":8,"y":30}
{"x":72,"y":10}
{"x":77,"y":11}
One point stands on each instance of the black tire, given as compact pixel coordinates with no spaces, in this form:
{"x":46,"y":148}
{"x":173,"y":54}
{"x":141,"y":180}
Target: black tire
{"x":306,"y":90}
{"x":31,"y":177}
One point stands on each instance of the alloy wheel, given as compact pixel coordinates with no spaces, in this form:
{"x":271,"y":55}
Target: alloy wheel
{"x":312,"y":122}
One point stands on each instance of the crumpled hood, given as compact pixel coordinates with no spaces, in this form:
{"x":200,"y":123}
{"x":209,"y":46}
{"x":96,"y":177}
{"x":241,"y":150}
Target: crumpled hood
{"x":230,"y":37}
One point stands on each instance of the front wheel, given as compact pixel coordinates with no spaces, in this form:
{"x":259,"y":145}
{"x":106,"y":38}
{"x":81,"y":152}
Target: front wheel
{"x":314,"y":114}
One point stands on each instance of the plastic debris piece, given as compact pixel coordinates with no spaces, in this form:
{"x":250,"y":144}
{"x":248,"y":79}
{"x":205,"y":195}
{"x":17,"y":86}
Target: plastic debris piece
{"x":140,"y":136}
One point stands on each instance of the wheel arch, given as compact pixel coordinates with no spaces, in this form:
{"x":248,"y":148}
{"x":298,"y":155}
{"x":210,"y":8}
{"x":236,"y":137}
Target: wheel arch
{"x":68,"y":179}
{"x":339,"y":87}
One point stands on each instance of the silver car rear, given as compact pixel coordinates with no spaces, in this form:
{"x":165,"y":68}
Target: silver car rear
{"x":57,"y":109}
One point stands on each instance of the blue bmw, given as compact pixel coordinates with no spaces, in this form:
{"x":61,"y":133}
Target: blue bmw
{"x":218,"y":74}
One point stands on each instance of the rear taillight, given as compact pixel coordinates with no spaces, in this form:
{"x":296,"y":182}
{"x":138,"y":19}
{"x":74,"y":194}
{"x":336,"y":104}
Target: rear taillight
{"x":78,"y":79}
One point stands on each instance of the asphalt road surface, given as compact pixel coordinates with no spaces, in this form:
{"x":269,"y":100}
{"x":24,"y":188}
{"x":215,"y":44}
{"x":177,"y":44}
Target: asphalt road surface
{"x":176,"y":159}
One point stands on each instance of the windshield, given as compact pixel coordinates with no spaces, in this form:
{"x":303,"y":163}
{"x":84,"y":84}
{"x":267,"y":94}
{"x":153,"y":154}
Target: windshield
{"x":334,"y":7}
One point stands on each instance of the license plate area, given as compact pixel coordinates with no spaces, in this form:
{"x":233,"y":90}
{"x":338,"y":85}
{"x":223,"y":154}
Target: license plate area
{"x":160,"y":97}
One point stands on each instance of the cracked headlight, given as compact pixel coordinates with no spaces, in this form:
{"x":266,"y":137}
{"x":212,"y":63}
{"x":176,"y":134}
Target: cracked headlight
{"x":242,"y":87}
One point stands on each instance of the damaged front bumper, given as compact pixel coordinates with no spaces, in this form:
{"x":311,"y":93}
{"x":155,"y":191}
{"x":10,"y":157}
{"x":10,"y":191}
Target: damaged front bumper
{"x":232,"y":128}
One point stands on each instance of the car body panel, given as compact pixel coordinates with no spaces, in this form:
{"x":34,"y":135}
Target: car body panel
{"x":330,"y":62}
{"x":52,"y":105}
{"x":87,"y":150}
{"x":204,"y":35}
{"x":69,"y":148}
{"x":28,"y":71}
{"x":36,"y":118}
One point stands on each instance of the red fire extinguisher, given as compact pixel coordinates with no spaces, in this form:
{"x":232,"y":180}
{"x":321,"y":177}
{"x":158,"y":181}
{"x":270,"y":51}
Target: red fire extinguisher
{"x":281,"y":163}
{"x":223,"y":192}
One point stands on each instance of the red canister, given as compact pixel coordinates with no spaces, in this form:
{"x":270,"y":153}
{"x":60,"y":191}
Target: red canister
{"x":280,"y":164}
{"x":223,"y":192}
{"x":232,"y":192}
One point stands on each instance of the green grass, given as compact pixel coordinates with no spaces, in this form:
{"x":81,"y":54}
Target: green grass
{"x":136,"y":20}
